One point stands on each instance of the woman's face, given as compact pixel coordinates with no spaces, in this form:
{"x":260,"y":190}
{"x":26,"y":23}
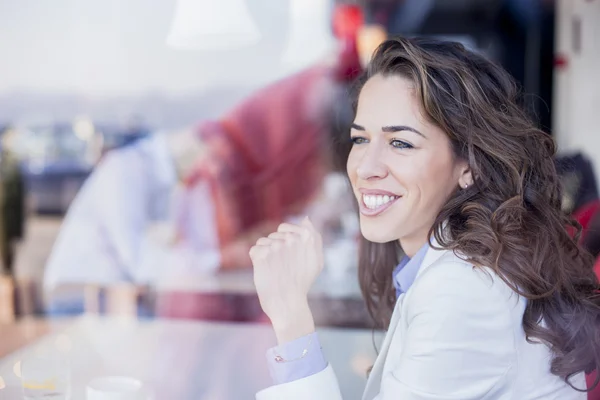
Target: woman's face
{"x":402,"y":167}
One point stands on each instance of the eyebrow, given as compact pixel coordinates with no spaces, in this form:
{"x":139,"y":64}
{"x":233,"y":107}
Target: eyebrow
{"x":390,"y":129}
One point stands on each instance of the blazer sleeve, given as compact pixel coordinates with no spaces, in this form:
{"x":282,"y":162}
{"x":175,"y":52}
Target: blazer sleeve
{"x":320,"y":386}
{"x":459,"y":340}
{"x":458,"y":344}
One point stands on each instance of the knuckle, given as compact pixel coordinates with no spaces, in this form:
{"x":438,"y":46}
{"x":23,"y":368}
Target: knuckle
{"x":277,"y":235}
{"x":283,"y":227}
{"x":256,"y":253}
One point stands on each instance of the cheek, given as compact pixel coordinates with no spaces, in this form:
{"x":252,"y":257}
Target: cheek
{"x":430,"y":175}
{"x":438,"y":180}
{"x":410,"y":171}
{"x":351,"y":167}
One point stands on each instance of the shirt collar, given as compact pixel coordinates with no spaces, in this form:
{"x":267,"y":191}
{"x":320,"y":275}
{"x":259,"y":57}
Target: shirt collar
{"x":405,"y":273}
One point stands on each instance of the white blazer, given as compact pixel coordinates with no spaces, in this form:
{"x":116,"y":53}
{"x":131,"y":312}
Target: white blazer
{"x":456,"y":334}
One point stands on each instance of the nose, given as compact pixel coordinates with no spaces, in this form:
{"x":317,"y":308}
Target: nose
{"x":371,"y":165}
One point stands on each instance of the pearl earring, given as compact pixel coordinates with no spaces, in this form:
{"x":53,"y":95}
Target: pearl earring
{"x":466,"y":185}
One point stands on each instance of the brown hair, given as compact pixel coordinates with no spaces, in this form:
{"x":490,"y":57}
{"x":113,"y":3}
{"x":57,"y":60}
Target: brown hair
{"x":510,"y":219}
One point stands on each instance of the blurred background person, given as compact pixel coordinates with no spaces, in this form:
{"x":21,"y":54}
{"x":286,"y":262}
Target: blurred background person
{"x":197,"y":200}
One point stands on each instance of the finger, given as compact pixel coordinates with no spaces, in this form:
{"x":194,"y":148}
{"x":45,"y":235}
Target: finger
{"x":263,"y":241}
{"x":285,"y":236}
{"x":291,"y":228}
{"x":313,"y":232}
{"x":256,"y":252}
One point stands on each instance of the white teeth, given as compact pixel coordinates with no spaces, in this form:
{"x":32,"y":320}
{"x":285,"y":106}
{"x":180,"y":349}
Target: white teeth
{"x":375,"y":201}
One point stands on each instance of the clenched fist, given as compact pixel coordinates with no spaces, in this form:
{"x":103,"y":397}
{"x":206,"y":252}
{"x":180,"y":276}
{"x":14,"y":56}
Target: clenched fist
{"x":286,"y":264}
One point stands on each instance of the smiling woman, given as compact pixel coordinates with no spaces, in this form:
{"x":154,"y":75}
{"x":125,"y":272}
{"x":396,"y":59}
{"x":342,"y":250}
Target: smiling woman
{"x":492,"y":299}
{"x":397,"y":152}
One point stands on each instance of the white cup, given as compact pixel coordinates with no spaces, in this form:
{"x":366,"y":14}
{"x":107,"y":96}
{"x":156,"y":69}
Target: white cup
{"x":115,"y":388}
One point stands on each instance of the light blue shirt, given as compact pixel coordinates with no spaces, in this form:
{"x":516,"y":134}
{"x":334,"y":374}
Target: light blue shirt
{"x":314,"y":362}
{"x":405,"y":273}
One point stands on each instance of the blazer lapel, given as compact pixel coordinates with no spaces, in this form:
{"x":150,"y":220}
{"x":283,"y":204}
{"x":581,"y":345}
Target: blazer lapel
{"x":374,"y":382}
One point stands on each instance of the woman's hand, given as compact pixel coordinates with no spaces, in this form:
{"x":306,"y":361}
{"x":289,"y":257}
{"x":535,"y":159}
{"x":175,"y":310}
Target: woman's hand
{"x":286,"y":264}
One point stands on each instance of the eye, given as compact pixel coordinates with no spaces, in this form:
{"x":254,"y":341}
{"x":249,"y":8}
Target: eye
{"x":358,"y":140}
{"x":399,"y":144}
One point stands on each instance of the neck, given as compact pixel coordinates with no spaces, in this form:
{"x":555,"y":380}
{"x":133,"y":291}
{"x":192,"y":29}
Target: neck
{"x":412,"y":245}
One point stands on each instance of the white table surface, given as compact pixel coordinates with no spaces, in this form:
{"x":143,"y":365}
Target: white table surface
{"x":187,"y":359}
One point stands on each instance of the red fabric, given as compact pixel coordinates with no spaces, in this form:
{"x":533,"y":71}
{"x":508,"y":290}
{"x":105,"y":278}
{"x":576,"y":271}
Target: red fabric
{"x":597,"y":267}
{"x":584,"y":215}
{"x":347,"y":20}
{"x":594,"y":394}
{"x":265,"y":158}
{"x":590,"y":378}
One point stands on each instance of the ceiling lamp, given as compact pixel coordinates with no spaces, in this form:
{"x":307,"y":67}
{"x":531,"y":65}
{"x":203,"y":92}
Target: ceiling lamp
{"x":310,"y":37}
{"x":212,"y":25}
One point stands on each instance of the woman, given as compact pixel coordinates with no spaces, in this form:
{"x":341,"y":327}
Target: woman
{"x":493,"y":300}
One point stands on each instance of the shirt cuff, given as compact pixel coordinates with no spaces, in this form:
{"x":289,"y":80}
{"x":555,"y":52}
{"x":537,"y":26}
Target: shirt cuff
{"x":292,"y":366}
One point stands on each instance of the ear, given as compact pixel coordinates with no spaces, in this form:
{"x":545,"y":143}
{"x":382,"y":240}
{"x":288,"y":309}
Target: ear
{"x":465,"y":175}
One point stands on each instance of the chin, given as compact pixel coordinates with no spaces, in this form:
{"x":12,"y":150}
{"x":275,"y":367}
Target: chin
{"x":374,"y":233}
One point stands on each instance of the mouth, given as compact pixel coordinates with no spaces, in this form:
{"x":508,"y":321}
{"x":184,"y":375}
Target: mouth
{"x":372,"y":204}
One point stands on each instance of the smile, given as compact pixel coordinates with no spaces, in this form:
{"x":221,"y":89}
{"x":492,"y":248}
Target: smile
{"x":375,"y":204}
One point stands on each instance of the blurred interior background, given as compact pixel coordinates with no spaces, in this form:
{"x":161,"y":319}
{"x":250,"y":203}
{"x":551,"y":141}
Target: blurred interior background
{"x":82,"y":80}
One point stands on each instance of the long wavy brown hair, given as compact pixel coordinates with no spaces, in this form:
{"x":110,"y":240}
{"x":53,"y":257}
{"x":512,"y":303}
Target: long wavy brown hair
{"x":510,"y":219}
